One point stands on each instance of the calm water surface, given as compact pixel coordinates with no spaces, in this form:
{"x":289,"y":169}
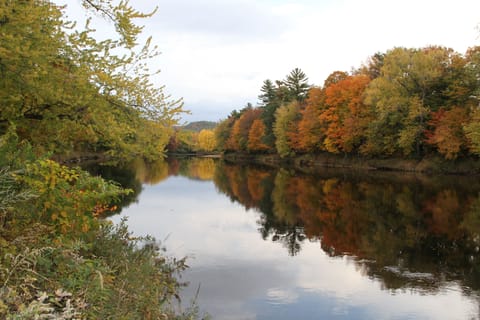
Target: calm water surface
{"x":274,"y":244}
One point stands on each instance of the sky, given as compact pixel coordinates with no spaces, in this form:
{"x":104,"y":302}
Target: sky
{"x":217,"y":53}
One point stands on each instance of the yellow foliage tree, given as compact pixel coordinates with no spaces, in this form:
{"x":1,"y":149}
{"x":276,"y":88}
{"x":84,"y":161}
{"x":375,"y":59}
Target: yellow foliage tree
{"x":256,"y":135}
{"x":206,"y":140}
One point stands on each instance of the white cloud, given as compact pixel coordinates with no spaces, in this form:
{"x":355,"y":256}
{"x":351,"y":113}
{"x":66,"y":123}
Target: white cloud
{"x":229,"y":21}
{"x":216,"y":54}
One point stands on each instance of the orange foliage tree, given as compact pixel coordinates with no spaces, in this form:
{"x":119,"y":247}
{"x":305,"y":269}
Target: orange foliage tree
{"x":345,"y":115}
{"x":238,"y":140}
{"x":234,"y":137}
{"x":447,"y":133}
{"x":256,"y":136}
{"x":311,"y":130}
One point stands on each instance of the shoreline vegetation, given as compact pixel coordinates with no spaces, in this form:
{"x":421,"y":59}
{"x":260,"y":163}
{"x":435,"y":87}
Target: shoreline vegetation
{"x":69,"y":97}
{"x":60,"y":258}
{"x":402,"y":105}
{"x":408,"y":109}
{"x":311,"y":163}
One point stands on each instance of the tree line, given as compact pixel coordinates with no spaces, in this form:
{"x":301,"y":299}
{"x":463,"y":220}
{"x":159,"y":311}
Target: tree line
{"x":407,"y":102}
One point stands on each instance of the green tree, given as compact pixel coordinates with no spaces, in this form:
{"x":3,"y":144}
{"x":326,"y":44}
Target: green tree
{"x":267,"y":95}
{"x":297,"y":84}
{"x":272,"y":97}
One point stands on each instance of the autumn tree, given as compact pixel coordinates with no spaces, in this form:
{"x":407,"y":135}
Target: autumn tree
{"x":182,"y":141}
{"x":311,"y":129}
{"x":286,"y":119}
{"x":256,"y":136}
{"x":447,"y":133}
{"x":97,"y":94}
{"x":345,"y":115}
{"x":222,"y":133}
{"x":239,"y":136}
{"x":409,"y":87}
{"x":334,"y":77}
{"x":472,"y":132}
{"x":206,"y":140}
{"x":233,"y":141}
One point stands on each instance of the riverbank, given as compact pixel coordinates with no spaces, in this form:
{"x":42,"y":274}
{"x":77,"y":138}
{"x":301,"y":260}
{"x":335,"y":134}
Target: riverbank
{"x":194,"y":154}
{"x":314,"y":163}
{"x":61,"y":260}
{"x":78,"y":157}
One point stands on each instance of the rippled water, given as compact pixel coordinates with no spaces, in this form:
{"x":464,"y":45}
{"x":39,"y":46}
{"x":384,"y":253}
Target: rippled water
{"x":274,"y":244}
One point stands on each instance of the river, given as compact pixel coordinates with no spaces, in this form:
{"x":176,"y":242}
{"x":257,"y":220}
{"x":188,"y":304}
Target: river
{"x":267,"y":243}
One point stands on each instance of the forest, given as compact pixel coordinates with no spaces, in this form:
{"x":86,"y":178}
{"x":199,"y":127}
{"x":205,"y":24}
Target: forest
{"x":407,"y":102}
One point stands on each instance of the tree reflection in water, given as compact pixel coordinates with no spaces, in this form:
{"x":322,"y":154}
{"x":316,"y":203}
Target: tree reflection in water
{"x":407,"y":231}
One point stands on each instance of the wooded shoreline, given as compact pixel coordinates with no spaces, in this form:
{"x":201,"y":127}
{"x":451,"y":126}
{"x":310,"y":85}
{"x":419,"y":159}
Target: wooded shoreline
{"x":314,"y":163}
{"x":311,"y":163}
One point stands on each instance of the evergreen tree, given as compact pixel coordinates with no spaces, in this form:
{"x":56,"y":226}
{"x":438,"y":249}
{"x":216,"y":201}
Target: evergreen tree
{"x":267,"y":95}
{"x":297,"y":84}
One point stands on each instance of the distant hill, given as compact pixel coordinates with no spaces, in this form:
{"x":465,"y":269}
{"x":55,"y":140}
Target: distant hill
{"x":198,"y":126}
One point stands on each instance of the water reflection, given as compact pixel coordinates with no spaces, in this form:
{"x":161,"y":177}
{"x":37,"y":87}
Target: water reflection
{"x":406,"y":233}
{"x":134,"y":174}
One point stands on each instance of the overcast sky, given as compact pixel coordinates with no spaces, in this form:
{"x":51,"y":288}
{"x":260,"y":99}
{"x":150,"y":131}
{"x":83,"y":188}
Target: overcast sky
{"x":217,"y":53}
